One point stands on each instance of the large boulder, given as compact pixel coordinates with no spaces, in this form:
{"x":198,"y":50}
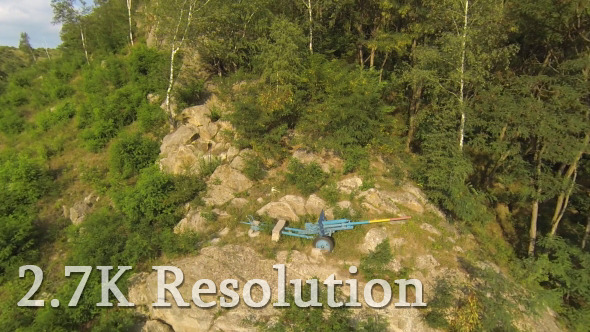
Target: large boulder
{"x":192,"y":222}
{"x":278,"y":210}
{"x":297,"y":203}
{"x":231,"y":178}
{"x":350,"y":184}
{"x":378,"y":202}
{"x":372,"y":238}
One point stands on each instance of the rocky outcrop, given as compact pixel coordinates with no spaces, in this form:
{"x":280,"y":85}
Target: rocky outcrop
{"x":198,"y":137}
{"x":243,"y":263}
{"x":80,"y":209}
{"x":349,"y":185}
{"x":278,"y":210}
{"x":224,"y":183}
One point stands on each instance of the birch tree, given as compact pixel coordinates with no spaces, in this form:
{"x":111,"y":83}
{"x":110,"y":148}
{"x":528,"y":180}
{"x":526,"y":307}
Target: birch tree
{"x":72,"y":12}
{"x":176,"y":31}
{"x":130,"y":25}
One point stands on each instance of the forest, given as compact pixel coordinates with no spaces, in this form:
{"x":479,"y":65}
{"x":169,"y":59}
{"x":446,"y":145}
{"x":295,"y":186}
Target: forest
{"x":485,"y":104}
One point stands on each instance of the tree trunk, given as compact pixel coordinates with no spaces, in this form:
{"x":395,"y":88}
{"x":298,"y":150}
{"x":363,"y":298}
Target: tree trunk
{"x":310,"y":26}
{"x":129,"y":16}
{"x":559,"y":205}
{"x":383,"y":66}
{"x":587,"y":234}
{"x":414,"y":107}
{"x":535,"y":205}
{"x":372,"y":58}
{"x":462,"y":77}
{"x":84,"y":44}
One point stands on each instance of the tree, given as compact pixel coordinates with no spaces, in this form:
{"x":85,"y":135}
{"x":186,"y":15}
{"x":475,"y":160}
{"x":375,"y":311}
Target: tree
{"x":72,"y":12}
{"x":25,"y":45}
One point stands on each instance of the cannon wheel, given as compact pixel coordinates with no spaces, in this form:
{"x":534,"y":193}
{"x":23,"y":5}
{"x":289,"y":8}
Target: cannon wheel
{"x":324,"y":243}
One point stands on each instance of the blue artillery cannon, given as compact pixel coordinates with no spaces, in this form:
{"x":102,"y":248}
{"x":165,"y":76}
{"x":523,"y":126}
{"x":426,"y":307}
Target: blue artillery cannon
{"x":320,"y":232}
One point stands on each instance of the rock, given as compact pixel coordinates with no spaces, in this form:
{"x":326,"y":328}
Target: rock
{"x":224,"y":232}
{"x":65,"y":211}
{"x":237,"y":163}
{"x":185,"y":158}
{"x":218,"y":195}
{"x":426,"y":262}
{"x":326,"y":160}
{"x":315,"y":205}
{"x":156,"y":326}
{"x":349,"y":185}
{"x":373,"y":237}
{"x":215,"y":240}
{"x":192,"y":222}
{"x":430,"y":229}
{"x":232,"y":181}
{"x":232,"y":178}
{"x":278,"y":210}
{"x":232,"y":152}
{"x":196,"y":116}
{"x":380,"y":201}
{"x":183,"y":135}
{"x":344,"y":204}
{"x":297,"y":203}
{"x":78,"y":212}
{"x":238,"y":203}
{"x":259,"y":200}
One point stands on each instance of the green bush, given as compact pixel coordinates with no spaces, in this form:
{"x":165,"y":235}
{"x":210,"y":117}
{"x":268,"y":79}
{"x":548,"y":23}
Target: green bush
{"x":374,"y":265}
{"x":254,"y":168}
{"x":208,"y":165}
{"x":191,"y":93}
{"x":307,"y":178}
{"x":131,"y":153}
{"x":151,"y":117}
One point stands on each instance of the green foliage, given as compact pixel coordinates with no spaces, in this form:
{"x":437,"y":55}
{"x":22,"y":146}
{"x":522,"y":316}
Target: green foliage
{"x":307,"y":178}
{"x":23,"y":181}
{"x":208,"y":165}
{"x":374,"y":265}
{"x":254,"y":167}
{"x":330,"y":193}
{"x":132,"y":153}
{"x":563,"y":271}
{"x":151,"y":117}
{"x":53,"y":117}
{"x":191,"y":93}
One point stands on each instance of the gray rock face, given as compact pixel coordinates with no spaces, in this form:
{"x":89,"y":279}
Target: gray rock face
{"x":373,"y":237}
{"x":156,"y":326}
{"x":278,"y":210}
{"x":347,"y":186}
{"x":243,"y":263}
{"x":315,"y":205}
{"x":192,"y":222}
{"x":78,"y":212}
{"x":376,"y":201}
{"x":297,"y":203}
{"x":224,"y":183}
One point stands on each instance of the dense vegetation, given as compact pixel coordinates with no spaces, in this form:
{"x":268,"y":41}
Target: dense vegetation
{"x":485,"y":102}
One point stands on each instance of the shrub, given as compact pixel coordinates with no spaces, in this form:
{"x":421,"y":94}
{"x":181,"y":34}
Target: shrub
{"x":254,"y":167}
{"x":306,"y":178}
{"x":132,"y":153}
{"x":151,"y":117}
{"x":208,"y":165}
{"x":374,"y":265}
{"x":191,"y":93}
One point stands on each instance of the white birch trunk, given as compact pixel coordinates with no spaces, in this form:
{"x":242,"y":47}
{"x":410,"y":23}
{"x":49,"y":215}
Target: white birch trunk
{"x":129,"y":16}
{"x":84,"y":44}
{"x":462,"y":76}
